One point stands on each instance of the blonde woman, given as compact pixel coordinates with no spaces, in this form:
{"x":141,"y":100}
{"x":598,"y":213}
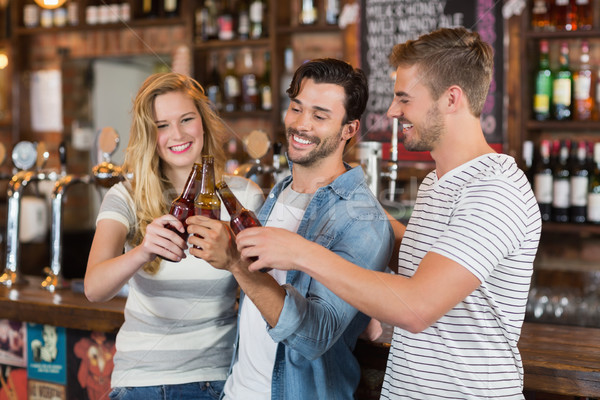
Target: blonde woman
{"x":176,"y":341}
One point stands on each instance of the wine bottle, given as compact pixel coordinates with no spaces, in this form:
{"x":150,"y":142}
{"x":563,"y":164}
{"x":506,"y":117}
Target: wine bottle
{"x":207,"y":202}
{"x":266,"y":94}
{"x":183,"y":206}
{"x":582,"y":84}
{"x":332,"y":12}
{"x":561,"y":190}
{"x":540,"y":15}
{"x":564,"y":17}
{"x":257,"y":10}
{"x":542,"y":182}
{"x":250,"y":95}
{"x":580,"y":176}
{"x":243,"y":25}
{"x":528,"y":160}
{"x":562,"y":87}
{"x":213,"y":85}
{"x":171,"y":8}
{"x":225,"y":22}
{"x":231,"y":85}
{"x":308,"y":12}
{"x":593,"y":210}
{"x":585,"y":14}
{"x":543,"y":85}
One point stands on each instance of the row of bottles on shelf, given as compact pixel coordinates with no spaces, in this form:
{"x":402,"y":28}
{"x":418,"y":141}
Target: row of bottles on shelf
{"x":561,"y":15}
{"x":239,"y":87}
{"x":97,"y":12}
{"x":566,"y":179}
{"x":227,"y":20}
{"x":566,"y":93}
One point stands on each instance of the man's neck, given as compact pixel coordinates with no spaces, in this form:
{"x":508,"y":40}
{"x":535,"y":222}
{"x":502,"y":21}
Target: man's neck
{"x":307,"y":179}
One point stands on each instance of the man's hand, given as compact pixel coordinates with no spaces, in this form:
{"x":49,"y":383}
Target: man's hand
{"x":275,"y":247}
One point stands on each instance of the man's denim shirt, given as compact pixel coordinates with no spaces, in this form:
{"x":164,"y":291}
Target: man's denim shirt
{"x":317,"y":331}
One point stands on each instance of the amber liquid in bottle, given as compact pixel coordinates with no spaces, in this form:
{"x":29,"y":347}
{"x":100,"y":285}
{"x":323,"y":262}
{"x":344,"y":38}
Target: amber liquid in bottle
{"x":207,"y":202}
{"x":183,"y":206}
{"x":241,"y":218}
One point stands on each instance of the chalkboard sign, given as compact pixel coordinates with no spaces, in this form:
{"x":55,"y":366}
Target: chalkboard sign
{"x":385,"y":23}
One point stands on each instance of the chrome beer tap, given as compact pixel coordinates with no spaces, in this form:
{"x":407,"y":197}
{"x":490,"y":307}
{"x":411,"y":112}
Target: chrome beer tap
{"x":392,"y":167}
{"x":25,"y":155}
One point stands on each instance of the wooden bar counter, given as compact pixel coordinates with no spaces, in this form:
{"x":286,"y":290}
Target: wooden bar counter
{"x":557,"y":359}
{"x":562,"y":360}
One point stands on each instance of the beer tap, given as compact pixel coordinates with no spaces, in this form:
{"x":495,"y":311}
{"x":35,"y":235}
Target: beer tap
{"x":54,"y":279}
{"x":25,"y":155}
{"x":257,"y":145}
{"x":392,"y":168}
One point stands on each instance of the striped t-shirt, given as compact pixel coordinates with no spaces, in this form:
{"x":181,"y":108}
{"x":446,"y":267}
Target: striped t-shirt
{"x":484,"y":216}
{"x":180,"y":323}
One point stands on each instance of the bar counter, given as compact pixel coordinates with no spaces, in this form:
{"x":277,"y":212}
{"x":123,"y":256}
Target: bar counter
{"x":557,"y":359}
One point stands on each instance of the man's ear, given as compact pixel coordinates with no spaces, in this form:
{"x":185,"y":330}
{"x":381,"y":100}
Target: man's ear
{"x":350,"y":129}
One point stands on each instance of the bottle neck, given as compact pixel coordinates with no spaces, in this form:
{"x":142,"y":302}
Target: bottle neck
{"x":189,"y":190}
{"x":232,"y":204}
{"x":207,"y":184}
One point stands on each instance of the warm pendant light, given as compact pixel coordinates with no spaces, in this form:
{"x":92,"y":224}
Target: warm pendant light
{"x":50,"y":4}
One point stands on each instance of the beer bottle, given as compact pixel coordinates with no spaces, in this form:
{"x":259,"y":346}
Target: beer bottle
{"x":207,"y":202}
{"x":240,"y":217}
{"x":183,"y":206}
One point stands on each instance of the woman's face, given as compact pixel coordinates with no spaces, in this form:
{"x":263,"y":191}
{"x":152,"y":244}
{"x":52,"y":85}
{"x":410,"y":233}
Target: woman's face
{"x":180,"y":134}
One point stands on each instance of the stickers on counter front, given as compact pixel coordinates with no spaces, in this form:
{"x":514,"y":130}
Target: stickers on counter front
{"x":47,"y":353}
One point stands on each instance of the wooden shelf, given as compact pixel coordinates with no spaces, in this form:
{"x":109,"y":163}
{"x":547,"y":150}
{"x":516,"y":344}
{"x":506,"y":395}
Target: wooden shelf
{"x":579,"y":34}
{"x":575,"y":229}
{"x":317,"y":28}
{"x":229,"y":44}
{"x":140,"y":23}
{"x":579,"y":126}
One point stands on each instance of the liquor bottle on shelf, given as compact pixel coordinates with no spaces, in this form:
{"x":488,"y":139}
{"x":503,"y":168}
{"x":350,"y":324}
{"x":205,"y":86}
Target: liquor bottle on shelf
{"x":231,"y":85}
{"x":542,"y":181}
{"x":562,"y":87}
{"x":207,"y":27}
{"x":213,"y":85}
{"x":171,"y":8}
{"x":593,"y":209}
{"x":243,"y":25}
{"x":585,"y":14}
{"x":582,"y":84}
{"x":266,"y":94}
{"x":308,"y":12}
{"x":332,"y":12}
{"x":543,"y":85}
{"x":250,"y":95}
{"x":540,"y":15}
{"x":580,"y":176}
{"x":183,"y":206}
{"x":149,"y":9}
{"x":561,"y":189}
{"x":528,"y":150}
{"x":257,"y":11}
{"x":207,"y":202}
{"x":564,"y":16}
{"x":285,"y":80}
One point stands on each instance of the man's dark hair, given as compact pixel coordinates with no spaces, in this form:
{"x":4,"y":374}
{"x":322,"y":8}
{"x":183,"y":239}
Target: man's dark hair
{"x":337,"y":72}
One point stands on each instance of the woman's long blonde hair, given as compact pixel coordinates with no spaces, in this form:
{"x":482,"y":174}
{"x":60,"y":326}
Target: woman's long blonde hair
{"x":151,"y":190}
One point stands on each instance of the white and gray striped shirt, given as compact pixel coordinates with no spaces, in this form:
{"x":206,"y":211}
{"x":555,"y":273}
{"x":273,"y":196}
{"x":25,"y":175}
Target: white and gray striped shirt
{"x":180,"y":323}
{"x":484,"y":216}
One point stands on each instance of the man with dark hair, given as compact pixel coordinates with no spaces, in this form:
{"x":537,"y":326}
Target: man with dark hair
{"x":295,"y":336}
{"x":466,"y":258}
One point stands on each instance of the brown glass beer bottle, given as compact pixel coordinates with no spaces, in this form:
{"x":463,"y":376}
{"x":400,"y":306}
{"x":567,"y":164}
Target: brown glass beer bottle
{"x":207,"y":202}
{"x":241,"y":218}
{"x":183,"y":206}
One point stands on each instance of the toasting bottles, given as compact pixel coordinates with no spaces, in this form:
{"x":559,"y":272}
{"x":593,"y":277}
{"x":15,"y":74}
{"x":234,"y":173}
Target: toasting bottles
{"x":241,"y":218}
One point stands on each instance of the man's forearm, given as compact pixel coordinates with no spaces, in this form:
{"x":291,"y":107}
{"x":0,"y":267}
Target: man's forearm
{"x":264,"y":291}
